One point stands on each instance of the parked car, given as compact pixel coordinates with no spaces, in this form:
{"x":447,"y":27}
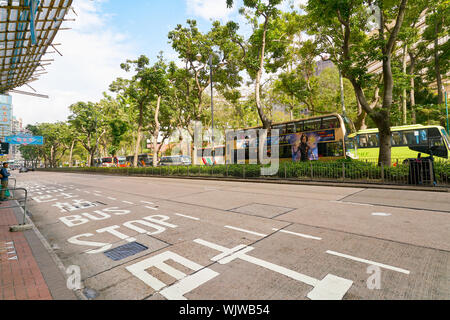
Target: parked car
{"x":23,"y":170}
{"x":175,"y":161}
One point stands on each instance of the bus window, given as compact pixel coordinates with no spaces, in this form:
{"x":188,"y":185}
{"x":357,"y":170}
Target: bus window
{"x":290,"y":128}
{"x":410,"y":137}
{"x":310,"y":125}
{"x":435,"y":137}
{"x":330,"y":123}
{"x":373,"y":140}
{"x":397,"y":139}
{"x":363,"y":141}
{"x":299,"y":127}
{"x":333,"y":149}
{"x":423,"y":136}
{"x":282,"y":129}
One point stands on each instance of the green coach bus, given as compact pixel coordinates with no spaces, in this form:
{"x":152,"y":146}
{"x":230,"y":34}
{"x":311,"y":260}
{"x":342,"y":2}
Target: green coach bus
{"x":407,"y":142}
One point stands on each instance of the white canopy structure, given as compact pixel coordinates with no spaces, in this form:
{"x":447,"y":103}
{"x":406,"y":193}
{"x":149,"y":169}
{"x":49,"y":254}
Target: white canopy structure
{"x":27,"y":30}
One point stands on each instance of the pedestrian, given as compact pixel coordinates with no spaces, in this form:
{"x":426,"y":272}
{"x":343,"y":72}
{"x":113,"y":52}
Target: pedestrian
{"x":4,"y":174}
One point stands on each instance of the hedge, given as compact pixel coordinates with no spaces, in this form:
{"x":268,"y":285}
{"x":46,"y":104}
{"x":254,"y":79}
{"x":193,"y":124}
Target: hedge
{"x":315,"y":170}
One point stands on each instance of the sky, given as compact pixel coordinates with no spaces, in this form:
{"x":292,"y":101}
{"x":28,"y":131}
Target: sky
{"x":105,"y":34}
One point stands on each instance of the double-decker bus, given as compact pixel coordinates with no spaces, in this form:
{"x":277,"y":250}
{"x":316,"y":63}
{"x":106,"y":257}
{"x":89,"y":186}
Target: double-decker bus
{"x":144,"y":160}
{"x":322,"y":138}
{"x":209,"y":156}
{"x":108,"y":162}
{"x":121,"y":162}
{"x":407,"y":142}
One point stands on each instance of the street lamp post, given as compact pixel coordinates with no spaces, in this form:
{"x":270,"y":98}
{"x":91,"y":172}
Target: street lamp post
{"x":210,"y":60}
{"x":446,"y":108}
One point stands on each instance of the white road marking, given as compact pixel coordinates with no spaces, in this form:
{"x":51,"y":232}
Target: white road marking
{"x":298,"y":234}
{"x":111,"y":198}
{"x":329,"y":288}
{"x":381,"y":214}
{"x":373,"y":263}
{"x":151,"y":208}
{"x":185,"y":283}
{"x":354,"y":203}
{"x":188,"y":217}
{"x":147,"y":202}
{"x":247,"y":231}
{"x":127,"y":202}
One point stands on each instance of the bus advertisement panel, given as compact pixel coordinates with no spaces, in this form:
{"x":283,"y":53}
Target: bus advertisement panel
{"x":319,"y":138}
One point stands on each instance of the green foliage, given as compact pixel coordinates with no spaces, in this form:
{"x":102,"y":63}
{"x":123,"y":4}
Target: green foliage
{"x":90,"y":123}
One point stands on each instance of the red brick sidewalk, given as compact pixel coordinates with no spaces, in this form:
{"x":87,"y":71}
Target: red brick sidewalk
{"x":20,"y":277}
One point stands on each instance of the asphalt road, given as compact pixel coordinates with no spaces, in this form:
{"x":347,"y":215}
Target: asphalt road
{"x":228,"y":240}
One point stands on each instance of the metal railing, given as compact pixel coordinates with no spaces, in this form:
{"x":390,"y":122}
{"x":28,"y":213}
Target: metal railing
{"x":15,"y":183}
{"x":429,"y":173}
{"x":21,"y":202}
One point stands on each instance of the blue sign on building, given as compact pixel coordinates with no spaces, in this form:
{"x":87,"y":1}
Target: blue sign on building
{"x":26,"y":140}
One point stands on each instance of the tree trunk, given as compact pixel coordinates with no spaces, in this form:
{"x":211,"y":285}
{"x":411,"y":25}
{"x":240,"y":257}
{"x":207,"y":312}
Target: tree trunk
{"x":266,"y":122}
{"x":138,"y":136}
{"x":384,"y":127}
{"x":156,"y":133}
{"x":52,"y":157}
{"x":437,"y":66}
{"x":383,"y":117}
{"x":71,"y":154}
{"x":138,"y":144}
{"x":360,"y":123}
{"x":91,"y":157}
{"x":404,"y":111}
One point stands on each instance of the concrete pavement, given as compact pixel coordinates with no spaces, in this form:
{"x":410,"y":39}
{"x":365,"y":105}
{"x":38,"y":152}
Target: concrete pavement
{"x":230,"y":240}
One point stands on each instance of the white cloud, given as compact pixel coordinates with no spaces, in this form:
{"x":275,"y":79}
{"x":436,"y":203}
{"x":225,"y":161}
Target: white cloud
{"x":91,"y":59}
{"x":209,"y":9}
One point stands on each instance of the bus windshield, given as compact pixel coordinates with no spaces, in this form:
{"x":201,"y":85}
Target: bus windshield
{"x":107,"y":160}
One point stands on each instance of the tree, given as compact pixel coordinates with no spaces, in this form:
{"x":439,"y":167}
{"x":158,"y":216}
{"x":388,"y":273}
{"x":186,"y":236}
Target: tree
{"x":157,"y":78}
{"x":57,"y":137}
{"x":191,"y":82}
{"x":346,"y":32}
{"x":438,"y":27}
{"x":266,"y":48}
{"x":299,"y":82}
{"x":136,"y":95}
{"x":88,"y":119}
{"x":413,"y":48}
